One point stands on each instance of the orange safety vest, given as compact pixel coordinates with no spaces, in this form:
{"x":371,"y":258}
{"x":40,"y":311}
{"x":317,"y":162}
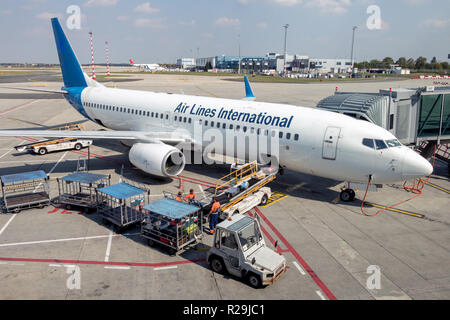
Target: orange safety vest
{"x":215,"y":207}
{"x":190,"y":196}
{"x":178,"y":198}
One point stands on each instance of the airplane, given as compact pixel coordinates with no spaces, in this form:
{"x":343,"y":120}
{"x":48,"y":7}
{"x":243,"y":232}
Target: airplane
{"x":154,"y":125}
{"x":147,"y":66}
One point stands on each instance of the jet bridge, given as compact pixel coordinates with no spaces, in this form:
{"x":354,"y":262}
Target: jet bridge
{"x":414,"y":115}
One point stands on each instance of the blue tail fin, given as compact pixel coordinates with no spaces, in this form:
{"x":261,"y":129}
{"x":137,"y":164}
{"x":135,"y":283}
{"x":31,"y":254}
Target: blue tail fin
{"x":248,"y":90}
{"x":70,"y":67}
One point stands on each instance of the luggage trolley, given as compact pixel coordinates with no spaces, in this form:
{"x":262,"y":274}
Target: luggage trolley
{"x":121,"y":204}
{"x":25,"y":190}
{"x":171,"y":223}
{"x":79,"y":189}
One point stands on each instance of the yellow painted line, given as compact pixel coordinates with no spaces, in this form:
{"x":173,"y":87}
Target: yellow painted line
{"x":437,"y":187}
{"x":336,"y":200}
{"x":417,"y":215}
{"x":39,"y":85}
{"x":275,"y":198}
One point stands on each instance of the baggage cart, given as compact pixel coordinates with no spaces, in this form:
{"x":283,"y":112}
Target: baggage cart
{"x":171,"y":223}
{"x":122,"y":205}
{"x":79,"y":189}
{"x":25,"y":190}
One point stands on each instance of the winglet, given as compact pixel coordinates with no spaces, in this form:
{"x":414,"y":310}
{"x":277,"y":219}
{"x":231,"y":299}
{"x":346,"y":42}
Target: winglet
{"x":70,"y":67}
{"x":248,"y":90}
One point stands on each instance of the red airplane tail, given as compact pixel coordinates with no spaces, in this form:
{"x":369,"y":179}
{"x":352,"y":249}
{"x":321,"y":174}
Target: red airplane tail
{"x":131,"y":61}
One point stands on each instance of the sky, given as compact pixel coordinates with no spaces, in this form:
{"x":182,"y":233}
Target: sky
{"x":160,"y":31}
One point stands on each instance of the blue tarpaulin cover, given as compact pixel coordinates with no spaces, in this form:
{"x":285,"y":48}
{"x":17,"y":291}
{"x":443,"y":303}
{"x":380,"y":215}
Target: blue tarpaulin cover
{"x":24,"y":176}
{"x":122,"y":191}
{"x":171,"y":208}
{"x":84,"y":177}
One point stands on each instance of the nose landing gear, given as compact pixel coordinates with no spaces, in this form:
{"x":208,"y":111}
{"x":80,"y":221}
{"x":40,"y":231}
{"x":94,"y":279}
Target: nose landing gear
{"x":347,"y":195}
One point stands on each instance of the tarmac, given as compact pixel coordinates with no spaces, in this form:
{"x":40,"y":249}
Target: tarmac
{"x":330,"y":247}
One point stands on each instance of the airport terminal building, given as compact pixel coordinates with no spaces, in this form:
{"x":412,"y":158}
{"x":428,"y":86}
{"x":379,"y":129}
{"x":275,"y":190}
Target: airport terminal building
{"x":274,"y":62}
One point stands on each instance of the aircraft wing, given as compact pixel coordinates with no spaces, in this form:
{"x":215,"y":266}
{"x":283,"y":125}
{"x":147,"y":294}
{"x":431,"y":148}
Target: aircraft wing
{"x":142,"y":136}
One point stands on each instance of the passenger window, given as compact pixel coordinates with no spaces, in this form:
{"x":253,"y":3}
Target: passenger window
{"x":231,"y":126}
{"x":296,"y":137}
{"x":280,"y":134}
{"x":238,"y":127}
{"x":258,"y":131}
{"x":206,"y":122}
{"x":288,"y":135}
{"x":175,"y":118}
{"x":200,"y":121}
{"x":368,"y":143}
{"x":218,"y":125}
{"x":273,"y":133}
{"x":380,"y":144}
{"x":153,"y":114}
{"x":190,"y":120}
{"x":244,"y":128}
{"x":184,"y":119}
{"x":162,"y":116}
{"x":212,"y":123}
{"x":224,"y":125}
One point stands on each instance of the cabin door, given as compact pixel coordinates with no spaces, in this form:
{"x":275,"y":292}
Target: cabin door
{"x":330,"y":142}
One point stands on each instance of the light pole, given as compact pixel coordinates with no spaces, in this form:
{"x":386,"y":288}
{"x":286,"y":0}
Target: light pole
{"x":286,"y":26}
{"x":239,"y":52}
{"x":353,"y":42}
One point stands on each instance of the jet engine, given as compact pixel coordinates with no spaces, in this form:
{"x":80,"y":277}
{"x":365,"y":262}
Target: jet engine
{"x":157,"y":158}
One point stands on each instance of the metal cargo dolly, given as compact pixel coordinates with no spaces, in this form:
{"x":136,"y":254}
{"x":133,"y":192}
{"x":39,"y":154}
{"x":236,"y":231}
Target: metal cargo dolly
{"x":121,"y":204}
{"x":172,"y":223}
{"x":25,"y":190}
{"x":79,"y":189}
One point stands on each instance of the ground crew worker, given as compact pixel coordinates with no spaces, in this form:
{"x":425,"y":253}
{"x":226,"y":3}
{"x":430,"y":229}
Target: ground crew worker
{"x":214,"y":216}
{"x":178,"y":197}
{"x":190,"y":197}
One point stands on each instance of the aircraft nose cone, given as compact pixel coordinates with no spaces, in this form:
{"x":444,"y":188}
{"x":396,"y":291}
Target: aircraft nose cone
{"x":415,"y":166}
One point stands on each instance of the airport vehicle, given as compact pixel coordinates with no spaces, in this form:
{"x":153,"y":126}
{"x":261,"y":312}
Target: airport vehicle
{"x":44,"y":147}
{"x":239,"y":249}
{"x":173,"y":224}
{"x":260,"y":197}
{"x":158,"y":126}
{"x":147,"y":66}
{"x":25,"y":190}
{"x":79,"y":189}
{"x":122,"y":205}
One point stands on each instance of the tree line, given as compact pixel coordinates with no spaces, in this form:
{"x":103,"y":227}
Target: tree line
{"x":421,"y":63}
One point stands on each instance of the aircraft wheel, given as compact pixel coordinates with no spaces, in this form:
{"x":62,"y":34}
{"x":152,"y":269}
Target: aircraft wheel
{"x":347,"y":195}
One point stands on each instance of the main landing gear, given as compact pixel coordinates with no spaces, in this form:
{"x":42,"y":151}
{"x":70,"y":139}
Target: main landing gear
{"x":347,"y":195}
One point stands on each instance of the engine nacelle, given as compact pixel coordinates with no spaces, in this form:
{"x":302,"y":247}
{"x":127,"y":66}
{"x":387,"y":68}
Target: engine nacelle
{"x":157,"y":158}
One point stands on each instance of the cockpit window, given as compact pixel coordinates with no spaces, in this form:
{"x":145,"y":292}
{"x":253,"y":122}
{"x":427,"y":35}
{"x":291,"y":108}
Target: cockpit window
{"x":380,"y":144}
{"x":393,"y":143}
{"x":368,"y":143}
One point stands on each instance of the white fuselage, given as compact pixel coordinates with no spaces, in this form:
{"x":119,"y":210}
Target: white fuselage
{"x":313,"y":141}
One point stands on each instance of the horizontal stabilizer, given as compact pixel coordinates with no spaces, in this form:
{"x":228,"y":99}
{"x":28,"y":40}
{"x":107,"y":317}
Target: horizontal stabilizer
{"x":37,"y":90}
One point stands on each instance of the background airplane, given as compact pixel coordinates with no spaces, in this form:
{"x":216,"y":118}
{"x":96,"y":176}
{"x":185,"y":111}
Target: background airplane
{"x":147,"y":66}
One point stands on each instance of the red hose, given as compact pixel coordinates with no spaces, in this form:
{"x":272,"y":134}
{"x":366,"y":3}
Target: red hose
{"x":415,"y":188}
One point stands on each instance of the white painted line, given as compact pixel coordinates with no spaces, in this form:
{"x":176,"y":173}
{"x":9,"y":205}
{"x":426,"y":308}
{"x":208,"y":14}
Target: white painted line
{"x":320,"y":295}
{"x":51,"y":170}
{"x":118,"y":268}
{"x":165,"y":268}
{"x":7,"y":223}
{"x":3,"y":262}
{"x":299,"y":268}
{"x":108,"y":246}
{"x":55,"y":265}
{"x":59,"y":240}
{"x":10,"y":150}
{"x":17,"y":264}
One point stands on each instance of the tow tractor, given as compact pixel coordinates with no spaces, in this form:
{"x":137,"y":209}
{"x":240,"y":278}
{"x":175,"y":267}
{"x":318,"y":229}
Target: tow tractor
{"x":240,"y":250}
{"x":43,"y":147}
